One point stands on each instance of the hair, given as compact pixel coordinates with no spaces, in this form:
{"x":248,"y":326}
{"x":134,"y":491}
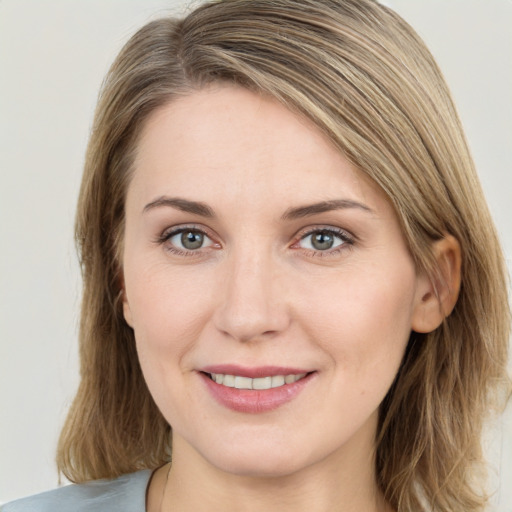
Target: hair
{"x":367,"y":81}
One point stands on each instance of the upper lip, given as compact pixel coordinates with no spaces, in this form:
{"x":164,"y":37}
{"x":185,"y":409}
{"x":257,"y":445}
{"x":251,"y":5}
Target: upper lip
{"x":253,"y":372}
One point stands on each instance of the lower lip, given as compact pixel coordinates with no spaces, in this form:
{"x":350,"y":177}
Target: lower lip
{"x":255,"y":401}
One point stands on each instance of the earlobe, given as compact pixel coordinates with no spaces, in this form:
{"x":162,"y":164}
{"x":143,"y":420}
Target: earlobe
{"x":436,"y":296}
{"x":127,"y":312}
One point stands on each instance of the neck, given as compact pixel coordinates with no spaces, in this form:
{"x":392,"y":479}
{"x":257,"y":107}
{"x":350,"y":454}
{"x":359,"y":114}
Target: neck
{"x":194,"y":484}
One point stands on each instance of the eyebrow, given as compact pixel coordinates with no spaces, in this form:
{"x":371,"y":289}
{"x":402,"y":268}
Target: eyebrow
{"x":322,"y":207}
{"x":184,"y":205}
{"x":203,"y":210}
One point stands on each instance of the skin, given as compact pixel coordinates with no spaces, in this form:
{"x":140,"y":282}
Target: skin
{"x":258,"y":292}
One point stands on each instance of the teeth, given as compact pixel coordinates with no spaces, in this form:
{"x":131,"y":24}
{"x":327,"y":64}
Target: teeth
{"x":261,"y":383}
{"x":228,"y":380}
{"x":243,"y":383}
{"x":278,"y":381}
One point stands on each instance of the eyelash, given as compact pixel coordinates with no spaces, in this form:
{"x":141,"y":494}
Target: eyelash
{"x":167,"y":235}
{"x":347,"y":240}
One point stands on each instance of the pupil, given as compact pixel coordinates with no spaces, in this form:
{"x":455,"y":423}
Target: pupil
{"x":191,"y":240}
{"x":322,"y":241}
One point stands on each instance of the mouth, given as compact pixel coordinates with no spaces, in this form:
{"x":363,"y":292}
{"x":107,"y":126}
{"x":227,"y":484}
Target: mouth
{"x":258,"y":383}
{"x":255,"y":390}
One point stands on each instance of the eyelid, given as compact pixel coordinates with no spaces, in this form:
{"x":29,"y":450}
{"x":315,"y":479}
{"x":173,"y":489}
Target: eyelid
{"x":348,"y":238}
{"x":172,"y":231}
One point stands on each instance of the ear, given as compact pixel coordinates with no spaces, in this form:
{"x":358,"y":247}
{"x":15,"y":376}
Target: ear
{"x":436,"y":296}
{"x":127,"y":312}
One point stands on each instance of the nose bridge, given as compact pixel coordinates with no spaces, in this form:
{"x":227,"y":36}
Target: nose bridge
{"x":252,"y":303}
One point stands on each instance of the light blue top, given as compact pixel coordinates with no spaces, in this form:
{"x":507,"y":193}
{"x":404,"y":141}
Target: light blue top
{"x":124,"y":494}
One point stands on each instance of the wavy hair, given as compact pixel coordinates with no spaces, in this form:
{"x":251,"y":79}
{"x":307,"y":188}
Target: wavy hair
{"x":364,"y":77}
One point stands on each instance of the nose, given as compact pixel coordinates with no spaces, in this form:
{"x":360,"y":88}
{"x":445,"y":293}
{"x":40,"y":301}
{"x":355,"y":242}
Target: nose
{"x":252,"y":301}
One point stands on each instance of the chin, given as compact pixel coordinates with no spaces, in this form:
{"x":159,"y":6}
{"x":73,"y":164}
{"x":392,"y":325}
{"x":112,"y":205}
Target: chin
{"x":260,"y":466}
{"x":260,"y":460}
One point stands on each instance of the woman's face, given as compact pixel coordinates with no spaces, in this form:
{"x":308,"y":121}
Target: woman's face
{"x":256,"y":256}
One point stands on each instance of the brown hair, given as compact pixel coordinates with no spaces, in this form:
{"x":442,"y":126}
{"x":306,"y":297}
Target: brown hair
{"x":363,"y":76}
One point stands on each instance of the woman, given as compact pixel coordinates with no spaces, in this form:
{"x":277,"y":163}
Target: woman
{"x":288,"y":259}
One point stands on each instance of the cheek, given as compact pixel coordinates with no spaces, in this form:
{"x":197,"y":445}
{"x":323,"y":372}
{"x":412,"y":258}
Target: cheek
{"x":166,"y":323}
{"x":164,"y":305}
{"x":362,"y":318}
{"x":169,"y":311}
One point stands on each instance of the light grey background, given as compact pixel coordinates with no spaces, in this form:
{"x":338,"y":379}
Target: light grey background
{"x":53,"y":56}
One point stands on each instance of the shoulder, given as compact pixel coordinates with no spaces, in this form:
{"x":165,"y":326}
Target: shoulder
{"x":124,"y":494}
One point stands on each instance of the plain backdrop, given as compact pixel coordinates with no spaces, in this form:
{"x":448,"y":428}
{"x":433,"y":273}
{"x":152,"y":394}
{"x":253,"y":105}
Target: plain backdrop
{"x":53,"y":56}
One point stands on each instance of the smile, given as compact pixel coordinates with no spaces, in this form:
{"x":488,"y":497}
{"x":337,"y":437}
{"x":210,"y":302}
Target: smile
{"x":259,"y":383}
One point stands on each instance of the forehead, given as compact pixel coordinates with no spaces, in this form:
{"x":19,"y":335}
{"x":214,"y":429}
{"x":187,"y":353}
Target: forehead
{"x":226,"y":140}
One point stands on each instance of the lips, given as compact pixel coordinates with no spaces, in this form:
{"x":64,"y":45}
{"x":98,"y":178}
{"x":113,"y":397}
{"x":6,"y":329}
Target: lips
{"x":254,"y":390}
{"x":261,"y":383}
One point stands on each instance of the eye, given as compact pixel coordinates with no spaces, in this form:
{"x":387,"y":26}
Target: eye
{"x":323,"y":240}
{"x":187,"y":239}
